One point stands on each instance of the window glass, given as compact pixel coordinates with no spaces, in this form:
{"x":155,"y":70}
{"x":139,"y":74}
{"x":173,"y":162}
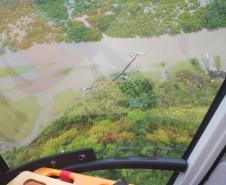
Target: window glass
{"x":126,"y":78}
{"x":148,"y":177}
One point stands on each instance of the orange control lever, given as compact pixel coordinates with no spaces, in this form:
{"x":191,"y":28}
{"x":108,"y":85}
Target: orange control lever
{"x":75,"y":178}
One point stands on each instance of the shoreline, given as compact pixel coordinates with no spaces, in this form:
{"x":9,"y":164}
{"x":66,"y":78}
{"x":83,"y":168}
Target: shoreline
{"x":88,"y":61}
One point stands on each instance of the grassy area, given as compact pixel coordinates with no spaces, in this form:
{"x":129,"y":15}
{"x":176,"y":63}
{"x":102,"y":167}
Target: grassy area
{"x":65,"y":71}
{"x":2,"y":50}
{"x":154,"y":18}
{"x":18,"y":117}
{"x":152,"y":75}
{"x":218,"y":63}
{"x":23,"y":27}
{"x":54,"y":10}
{"x":62,"y":101}
{"x":159,"y":65}
{"x":182,"y":66}
{"x":5,"y":72}
{"x":78,"y":32}
{"x":47,"y":21}
{"x":23,"y":69}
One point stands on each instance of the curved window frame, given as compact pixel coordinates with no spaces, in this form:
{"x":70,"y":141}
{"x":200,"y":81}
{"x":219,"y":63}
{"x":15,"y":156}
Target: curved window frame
{"x":202,"y":128}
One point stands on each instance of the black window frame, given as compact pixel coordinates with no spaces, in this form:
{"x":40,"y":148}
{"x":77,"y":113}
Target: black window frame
{"x":204,"y":124}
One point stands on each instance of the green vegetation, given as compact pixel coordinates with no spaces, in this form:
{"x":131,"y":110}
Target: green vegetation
{"x":86,"y":6}
{"x":78,"y":32}
{"x":65,"y":71}
{"x":53,"y":9}
{"x":62,"y":100}
{"x":152,"y":75}
{"x":5,"y":72}
{"x":24,"y":28}
{"x":56,"y":11}
{"x":147,"y":177}
{"x":214,"y":15}
{"x":189,"y":66}
{"x":139,"y":92}
{"x":47,"y":20}
{"x":23,"y":69}
{"x":218,"y":63}
{"x":187,"y":88}
{"x":2,"y":50}
{"x":161,"y":122}
{"x":146,"y":19}
{"x":16,"y":123}
{"x":101,"y":22}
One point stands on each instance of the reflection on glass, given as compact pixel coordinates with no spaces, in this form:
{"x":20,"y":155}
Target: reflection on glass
{"x":127,"y":78}
{"x":148,"y":177}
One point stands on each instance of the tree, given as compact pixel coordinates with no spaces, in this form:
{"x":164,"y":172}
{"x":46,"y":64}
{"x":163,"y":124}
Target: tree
{"x":214,"y":16}
{"x":139,"y":92}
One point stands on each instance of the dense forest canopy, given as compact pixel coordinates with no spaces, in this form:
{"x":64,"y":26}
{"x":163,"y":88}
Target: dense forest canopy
{"x":113,"y":18}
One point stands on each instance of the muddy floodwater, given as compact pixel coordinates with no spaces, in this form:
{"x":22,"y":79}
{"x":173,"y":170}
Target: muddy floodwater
{"x":86,"y":62}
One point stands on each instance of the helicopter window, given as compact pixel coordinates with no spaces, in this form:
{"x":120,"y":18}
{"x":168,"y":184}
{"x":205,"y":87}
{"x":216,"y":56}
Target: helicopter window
{"x":125,"y":78}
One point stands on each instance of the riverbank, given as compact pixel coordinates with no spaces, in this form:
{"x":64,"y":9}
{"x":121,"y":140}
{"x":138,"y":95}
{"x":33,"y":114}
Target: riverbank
{"x":57,"y":67}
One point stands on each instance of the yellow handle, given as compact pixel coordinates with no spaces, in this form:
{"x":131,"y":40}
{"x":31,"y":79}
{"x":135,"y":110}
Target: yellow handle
{"x":77,"y":179}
